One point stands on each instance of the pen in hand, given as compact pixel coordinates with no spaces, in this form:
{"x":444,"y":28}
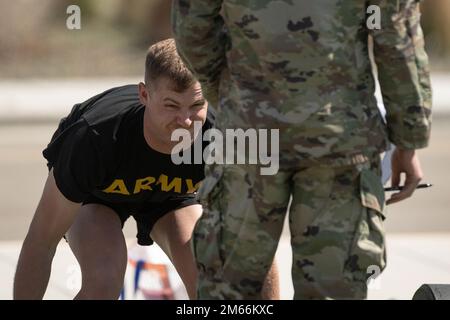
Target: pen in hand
{"x":400,"y":188}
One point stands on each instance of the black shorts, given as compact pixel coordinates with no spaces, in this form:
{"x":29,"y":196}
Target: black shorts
{"x":145,"y":215}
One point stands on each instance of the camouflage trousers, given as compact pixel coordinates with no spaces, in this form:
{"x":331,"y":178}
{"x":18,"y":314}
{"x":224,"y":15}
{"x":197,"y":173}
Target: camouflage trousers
{"x":335,"y":219}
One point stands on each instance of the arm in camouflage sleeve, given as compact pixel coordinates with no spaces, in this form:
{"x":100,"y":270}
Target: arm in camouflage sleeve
{"x":403,"y":73}
{"x":201,"y":41}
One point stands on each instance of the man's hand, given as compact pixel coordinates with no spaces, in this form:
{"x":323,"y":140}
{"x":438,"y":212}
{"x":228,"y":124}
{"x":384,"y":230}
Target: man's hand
{"x":405,"y":161}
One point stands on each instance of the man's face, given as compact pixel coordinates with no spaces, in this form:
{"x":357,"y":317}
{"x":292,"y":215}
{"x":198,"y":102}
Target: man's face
{"x":170,"y":110}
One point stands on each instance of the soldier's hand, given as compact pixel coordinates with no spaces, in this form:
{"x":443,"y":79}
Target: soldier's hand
{"x":407,"y":162}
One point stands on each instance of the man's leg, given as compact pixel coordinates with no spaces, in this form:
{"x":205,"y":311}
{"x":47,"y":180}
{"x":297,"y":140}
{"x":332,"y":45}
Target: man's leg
{"x":173,"y":234}
{"x":236,"y":238}
{"x":336,"y":230}
{"x":97,"y":242}
{"x":271,"y":286}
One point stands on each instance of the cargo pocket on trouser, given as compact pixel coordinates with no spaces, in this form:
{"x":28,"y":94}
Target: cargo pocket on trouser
{"x":207,"y":232}
{"x":367,"y":256}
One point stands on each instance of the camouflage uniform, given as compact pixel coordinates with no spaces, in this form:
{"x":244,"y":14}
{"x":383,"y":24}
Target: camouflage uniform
{"x":303,"y":67}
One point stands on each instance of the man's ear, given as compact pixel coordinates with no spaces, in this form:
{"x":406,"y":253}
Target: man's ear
{"x":143,"y":94}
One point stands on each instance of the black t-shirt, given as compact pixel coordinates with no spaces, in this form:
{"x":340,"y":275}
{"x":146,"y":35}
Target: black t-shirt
{"x":99,"y":149}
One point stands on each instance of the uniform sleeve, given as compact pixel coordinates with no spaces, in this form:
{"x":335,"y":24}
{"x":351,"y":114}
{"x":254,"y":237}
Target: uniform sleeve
{"x":201,"y":41}
{"x":77,"y":169}
{"x":403,"y":72}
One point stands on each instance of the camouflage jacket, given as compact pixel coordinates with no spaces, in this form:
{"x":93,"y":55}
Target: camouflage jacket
{"x":304,"y":67}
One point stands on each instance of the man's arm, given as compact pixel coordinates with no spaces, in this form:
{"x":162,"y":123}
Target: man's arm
{"x":403,"y":72}
{"x":201,"y":41}
{"x":53,"y":217}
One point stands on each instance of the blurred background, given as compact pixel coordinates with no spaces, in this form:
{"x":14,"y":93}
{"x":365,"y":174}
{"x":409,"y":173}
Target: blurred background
{"x":45,"y":68}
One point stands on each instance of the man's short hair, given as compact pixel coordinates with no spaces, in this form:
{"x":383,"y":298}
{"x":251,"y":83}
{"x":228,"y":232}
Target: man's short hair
{"x":163,"y":61}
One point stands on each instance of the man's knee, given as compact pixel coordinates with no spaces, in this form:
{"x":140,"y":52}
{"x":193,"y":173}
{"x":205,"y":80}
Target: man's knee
{"x":103,"y":284}
{"x":271,"y":287}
